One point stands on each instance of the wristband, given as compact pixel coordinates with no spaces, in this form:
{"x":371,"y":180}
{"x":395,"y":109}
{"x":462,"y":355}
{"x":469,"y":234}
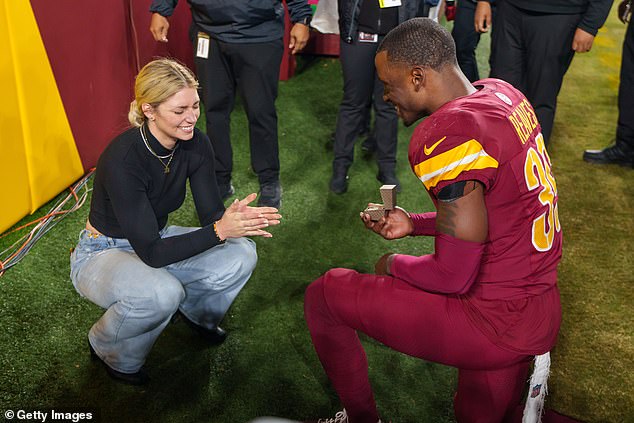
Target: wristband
{"x":220,"y":241}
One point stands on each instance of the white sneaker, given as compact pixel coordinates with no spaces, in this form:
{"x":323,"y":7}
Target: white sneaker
{"x":340,"y":417}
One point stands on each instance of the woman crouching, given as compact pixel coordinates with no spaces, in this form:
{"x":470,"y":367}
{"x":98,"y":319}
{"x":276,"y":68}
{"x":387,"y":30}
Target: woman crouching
{"x":129,"y":261}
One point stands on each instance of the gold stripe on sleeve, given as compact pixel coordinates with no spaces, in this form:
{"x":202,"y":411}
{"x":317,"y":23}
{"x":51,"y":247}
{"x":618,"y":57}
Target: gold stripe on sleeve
{"x":451,"y":163}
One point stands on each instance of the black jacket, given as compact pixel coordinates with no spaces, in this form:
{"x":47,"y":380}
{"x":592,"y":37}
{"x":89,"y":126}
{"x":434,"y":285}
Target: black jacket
{"x":239,"y":21}
{"x":349,"y":12}
{"x":594,"y":12}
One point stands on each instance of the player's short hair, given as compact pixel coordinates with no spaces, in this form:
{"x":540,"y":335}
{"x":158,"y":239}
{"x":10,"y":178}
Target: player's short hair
{"x":422,"y":42}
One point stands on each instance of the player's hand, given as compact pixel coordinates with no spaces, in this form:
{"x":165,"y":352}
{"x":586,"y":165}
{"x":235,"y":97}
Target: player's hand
{"x":482,"y":17}
{"x":383,"y":264}
{"x":240,"y":219}
{"x":299,"y":37}
{"x":397,"y":223}
{"x":582,"y":42}
{"x":159,"y":26}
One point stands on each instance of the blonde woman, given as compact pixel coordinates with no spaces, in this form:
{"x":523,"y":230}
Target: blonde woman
{"x":134,"y":265}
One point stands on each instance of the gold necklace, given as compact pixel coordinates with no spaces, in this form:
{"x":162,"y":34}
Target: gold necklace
{"x":169,"y":156}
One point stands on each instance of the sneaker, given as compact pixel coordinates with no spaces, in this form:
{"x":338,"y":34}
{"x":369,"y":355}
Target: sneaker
{"x":339,"y":181}
{"x":340,"y":417}
{"x":226,"y":190}
{"x":270,"y":195}
{"x":389,"y":178}
{"x":609,"y":155}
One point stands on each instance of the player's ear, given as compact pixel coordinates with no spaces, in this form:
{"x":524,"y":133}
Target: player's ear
{"x":417,"y":76}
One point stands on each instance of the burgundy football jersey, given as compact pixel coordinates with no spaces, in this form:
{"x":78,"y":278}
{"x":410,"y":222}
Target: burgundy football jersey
{"x":493,"y":136}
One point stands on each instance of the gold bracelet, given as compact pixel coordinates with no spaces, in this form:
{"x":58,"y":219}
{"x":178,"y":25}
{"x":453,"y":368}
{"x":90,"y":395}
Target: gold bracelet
{"x":216,"y":232}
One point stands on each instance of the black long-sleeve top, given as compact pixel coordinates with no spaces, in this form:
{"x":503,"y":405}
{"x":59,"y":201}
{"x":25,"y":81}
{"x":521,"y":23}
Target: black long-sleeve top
{"x":132,"y":195}
{"x":595,"y":12}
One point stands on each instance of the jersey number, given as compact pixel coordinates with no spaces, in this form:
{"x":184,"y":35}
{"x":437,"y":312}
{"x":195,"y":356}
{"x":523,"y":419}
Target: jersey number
{"x":544,"y":226}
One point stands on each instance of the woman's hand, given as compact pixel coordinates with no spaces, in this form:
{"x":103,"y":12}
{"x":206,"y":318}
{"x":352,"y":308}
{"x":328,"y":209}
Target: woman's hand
{"x":397,"y":223}
{"x":240,"y":219}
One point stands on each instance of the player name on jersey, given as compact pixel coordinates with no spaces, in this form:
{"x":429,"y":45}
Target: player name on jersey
{"x":524,"y":120}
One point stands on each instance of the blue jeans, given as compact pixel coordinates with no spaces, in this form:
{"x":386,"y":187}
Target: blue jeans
{"x":140,"y":300}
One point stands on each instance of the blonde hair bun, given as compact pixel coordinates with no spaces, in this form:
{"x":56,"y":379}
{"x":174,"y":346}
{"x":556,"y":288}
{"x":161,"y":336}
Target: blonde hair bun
{"x":135,"y":115}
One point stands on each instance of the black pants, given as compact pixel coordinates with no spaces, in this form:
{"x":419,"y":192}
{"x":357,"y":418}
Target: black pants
{"x":466,"y":39}
{"x":625,"y":125}
{"x":251,"y":69}
{"x":361,"y":86}
{"x":533,"y":51}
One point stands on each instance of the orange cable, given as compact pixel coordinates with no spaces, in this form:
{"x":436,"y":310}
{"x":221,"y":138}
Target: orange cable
{"x":48,"y":215}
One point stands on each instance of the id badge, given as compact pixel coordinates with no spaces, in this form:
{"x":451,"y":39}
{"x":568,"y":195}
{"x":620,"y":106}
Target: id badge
{"x":389,"y":3}
{"x":202,"y":50}
{"x":364,"y":37}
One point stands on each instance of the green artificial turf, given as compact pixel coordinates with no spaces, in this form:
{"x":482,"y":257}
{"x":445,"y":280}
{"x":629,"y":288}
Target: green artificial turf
{"x":267,"y":366}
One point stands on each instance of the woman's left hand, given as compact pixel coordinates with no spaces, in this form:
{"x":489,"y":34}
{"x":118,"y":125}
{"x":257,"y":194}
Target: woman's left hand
{"x":240,"y":219}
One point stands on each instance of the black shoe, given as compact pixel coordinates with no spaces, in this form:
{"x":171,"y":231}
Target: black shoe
{"x":213,"y":336}
{"x":270,"y":195}
{"x":609,"y":155}
{"x":226,"y":190}
{"x":389,"y":178}
{"x":138,"y":378}
{"x":339,"y":181}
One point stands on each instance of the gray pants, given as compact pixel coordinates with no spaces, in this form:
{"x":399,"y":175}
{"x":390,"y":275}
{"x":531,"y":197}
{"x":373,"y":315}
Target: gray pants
{"x":140,"y":300}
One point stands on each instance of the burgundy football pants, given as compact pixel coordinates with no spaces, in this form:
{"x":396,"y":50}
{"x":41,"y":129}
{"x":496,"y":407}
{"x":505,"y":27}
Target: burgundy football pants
{"x":407,"y":319}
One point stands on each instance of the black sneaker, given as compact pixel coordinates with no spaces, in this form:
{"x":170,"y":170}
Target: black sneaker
{"x":609,"y":155}
{"x":339,"y":181}
{"x":389,"y":178}
{"x":226,"y":190}
{"x":214,"y":336}
{"x":138,"y":378}
{"x":270,"y":195}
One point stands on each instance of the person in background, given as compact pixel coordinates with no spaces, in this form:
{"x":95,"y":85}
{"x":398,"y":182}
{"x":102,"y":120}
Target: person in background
{"x":362,"y":26}
{"x":129,"y":261}
{"x":467,"y":37}
{"x":238,"y":47}
{"x":486,"y":301}
{"x":533,"y":44}
{"x":622,"y":151}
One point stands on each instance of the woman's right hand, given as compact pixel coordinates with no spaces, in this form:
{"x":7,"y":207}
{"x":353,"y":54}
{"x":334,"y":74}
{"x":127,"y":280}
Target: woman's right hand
{"x":396,"y":224}
{"x":240,"y":219}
